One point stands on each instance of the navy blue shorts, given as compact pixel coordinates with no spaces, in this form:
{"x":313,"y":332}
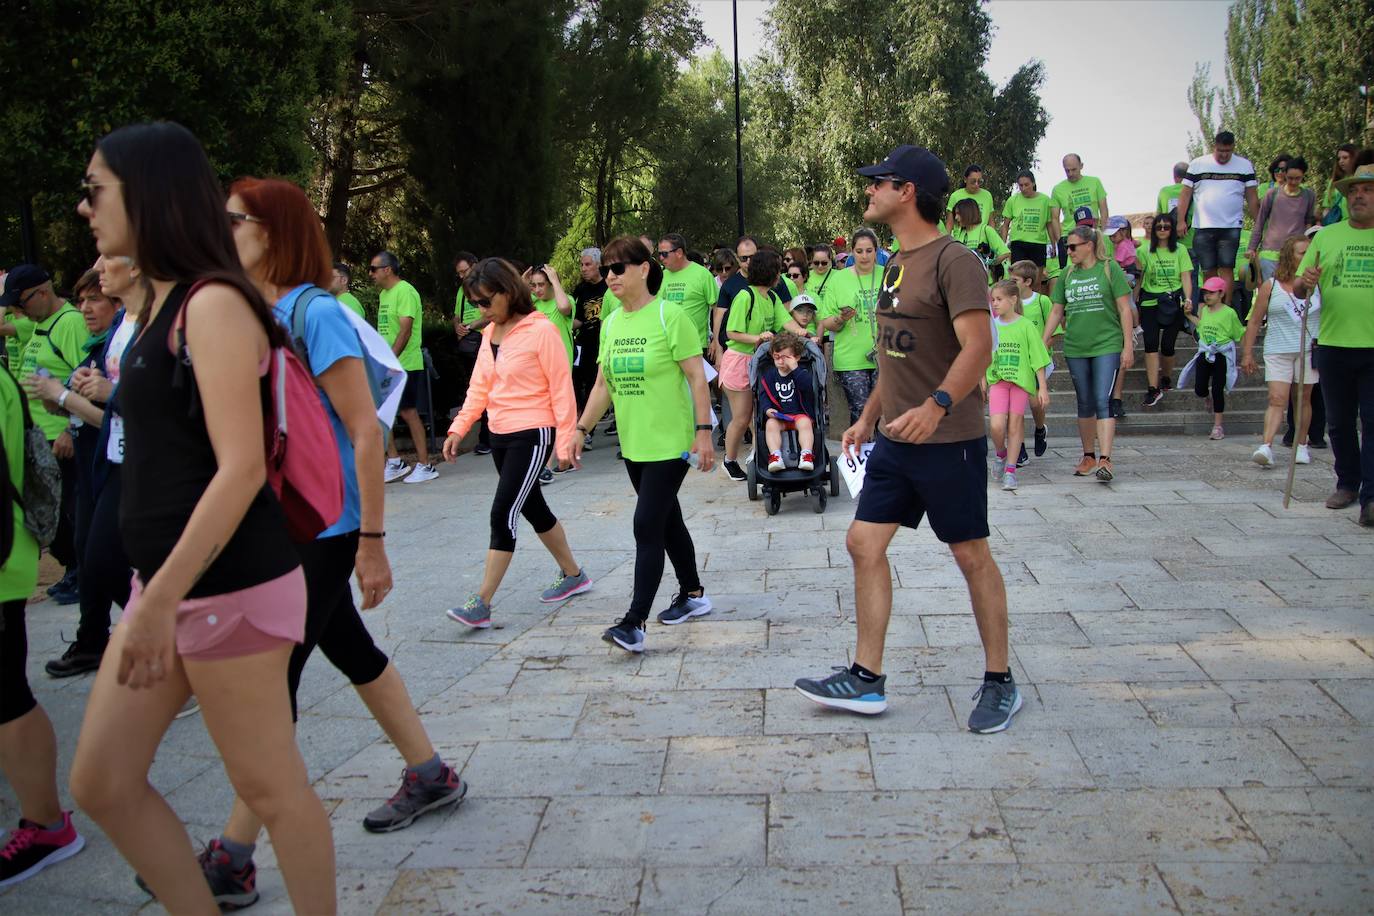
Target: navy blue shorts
{"x":410,"y":394}
{"x":1213,"y":248}
{"x":946,"y":482}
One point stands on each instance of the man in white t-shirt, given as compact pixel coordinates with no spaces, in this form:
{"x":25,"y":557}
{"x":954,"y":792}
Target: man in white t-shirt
{"x":1221,"y":190}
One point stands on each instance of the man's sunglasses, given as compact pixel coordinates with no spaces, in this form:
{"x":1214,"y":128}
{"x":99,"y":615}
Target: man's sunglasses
{"x":373,"y":268}
{"x":663,"y":254}
{"x":897,"y":182}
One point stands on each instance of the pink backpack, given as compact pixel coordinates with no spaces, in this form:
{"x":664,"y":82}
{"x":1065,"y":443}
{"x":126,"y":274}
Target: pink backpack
{"x":302,"y":456}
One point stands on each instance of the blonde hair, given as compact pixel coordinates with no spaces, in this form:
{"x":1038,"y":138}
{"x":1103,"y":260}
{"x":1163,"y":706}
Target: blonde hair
{"x":1092,"y":237}
{"x":1009,"y":288}
{"x":1289,"y":259}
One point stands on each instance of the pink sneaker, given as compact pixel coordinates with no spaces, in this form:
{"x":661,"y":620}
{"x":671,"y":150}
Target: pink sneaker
{"x":30,"y":848}
{"x":807,"y":462}
{"x":1217,"y":433}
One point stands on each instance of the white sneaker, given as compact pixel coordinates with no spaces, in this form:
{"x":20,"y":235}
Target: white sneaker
{"x":1263,"y":456}
{"x":421,"y":473}
{"x":395,"y":470}
{"x":1304,"y":456}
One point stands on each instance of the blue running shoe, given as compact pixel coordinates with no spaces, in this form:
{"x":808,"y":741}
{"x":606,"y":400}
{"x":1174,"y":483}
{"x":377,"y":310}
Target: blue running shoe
{"x":475,"y":612}
{"x":626,"y":635}
{"x":565,"y":586}
{"x":846,"y":690}
{"x":997,"y":703}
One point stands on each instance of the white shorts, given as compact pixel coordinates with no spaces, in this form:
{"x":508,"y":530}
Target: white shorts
{"x":1283,"y":367}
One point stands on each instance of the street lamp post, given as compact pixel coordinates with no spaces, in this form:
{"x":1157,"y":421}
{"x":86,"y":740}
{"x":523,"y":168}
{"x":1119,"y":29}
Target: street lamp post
{"x":739,"y":146}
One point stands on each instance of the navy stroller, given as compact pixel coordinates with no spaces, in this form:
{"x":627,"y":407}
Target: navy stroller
{"x":771,"y":485}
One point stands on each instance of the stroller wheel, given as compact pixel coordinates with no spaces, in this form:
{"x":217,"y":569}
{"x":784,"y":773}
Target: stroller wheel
{"x":751,"y":481}
{"x":774,"y":503}
{"x":818,"y":500}
{"x":834,"y":477}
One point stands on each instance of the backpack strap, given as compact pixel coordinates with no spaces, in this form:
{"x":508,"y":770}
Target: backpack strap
{"x":298,"y":313}
{"x":47,"y":334}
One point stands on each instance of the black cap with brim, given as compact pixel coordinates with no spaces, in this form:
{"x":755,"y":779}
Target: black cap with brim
{"x":915,"y":164}
{"x":20,"y":280}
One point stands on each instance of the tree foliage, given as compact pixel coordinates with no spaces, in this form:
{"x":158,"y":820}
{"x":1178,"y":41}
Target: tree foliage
{"x":1293,"y":68}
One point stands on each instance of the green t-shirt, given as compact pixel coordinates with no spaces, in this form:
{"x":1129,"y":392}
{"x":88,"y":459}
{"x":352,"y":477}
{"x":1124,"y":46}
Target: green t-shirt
{"x":467,"y":312}
{"x":753,"y":312}
{"x":1346,"y":257}
{"x":1333,"y":198}
{"x":350,"y":302}
{"x":1068,"y":196}
{"x":1168,"y":203}
{"x":1089,"y":298}
{"x":1037,"y":309}
{"x":983,"y":199}
{"x":694,"y":290}
{"x":563,"y":322}
{"x":854,"y":343}
{"x":609,"y":303}
{"x":1162,"y":270}
{"x":1019,"y":355}
{"x":401,"y":301}
{"x":19,"y":574}
{"x":1030,"y":218}
{"x":982,"y":235}
{"x":14,"y":346}
{"x":56,"y":345}
{"x":639,"y":356}
{"x":831,"y":291}
{"x":1220,"y":325}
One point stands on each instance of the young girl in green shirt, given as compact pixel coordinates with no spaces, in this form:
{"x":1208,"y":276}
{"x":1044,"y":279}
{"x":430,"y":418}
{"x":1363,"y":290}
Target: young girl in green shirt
{"x":1016,"y":374}
{"x":1218,"y":328}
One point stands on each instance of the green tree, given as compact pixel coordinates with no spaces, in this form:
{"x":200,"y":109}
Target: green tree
{"x":903,"y":73}
{"x":1293,"y":68}
{"x":76,"y":70}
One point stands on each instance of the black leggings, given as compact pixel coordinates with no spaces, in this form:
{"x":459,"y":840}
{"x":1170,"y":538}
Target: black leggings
{"x":1159,"y":339}
{"x":105,"y":572}
{"x":63,"y":547}
{"x":332,"y":620}
{"x":1215,"y":372}
{"x":16,"y":699}
{"x":659,"y":527}
{"x":519,"y":458}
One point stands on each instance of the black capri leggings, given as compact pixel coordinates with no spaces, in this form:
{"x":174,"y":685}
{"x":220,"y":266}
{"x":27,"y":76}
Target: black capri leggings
{"x":519,"y":458}
{"x":332,"y":620}
{"x":16,"y":699}
{"x":105,"y":571}
{"x":1215,"y":373}
{"x":659,"y":527}
{"x":1159,"y":339}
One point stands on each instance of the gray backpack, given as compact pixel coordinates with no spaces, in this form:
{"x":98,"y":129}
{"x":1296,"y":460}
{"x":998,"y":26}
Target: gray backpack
{"x":41,"y":499}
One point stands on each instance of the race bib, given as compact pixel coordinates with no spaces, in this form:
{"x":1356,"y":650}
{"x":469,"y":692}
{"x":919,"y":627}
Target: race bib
{"x":853,"y":466}
{"x":114,"y":448}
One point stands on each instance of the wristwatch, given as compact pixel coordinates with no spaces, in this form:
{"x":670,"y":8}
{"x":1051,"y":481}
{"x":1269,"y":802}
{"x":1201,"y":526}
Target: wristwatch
{"x":943,"y":399}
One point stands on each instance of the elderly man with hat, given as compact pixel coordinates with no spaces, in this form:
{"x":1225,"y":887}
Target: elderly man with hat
{"x":54,"y":349}
{"x":929,"y":460}
{"x":1340,"y":263}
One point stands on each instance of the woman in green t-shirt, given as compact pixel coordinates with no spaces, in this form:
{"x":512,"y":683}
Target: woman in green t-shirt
{"x":1095,"y":297}
{"x":848,"y":315}
{"x":652,"y":371}
{"x":972,"y":190}
{"x":1029,"y":225}
{"x":1166,"y":273}
{"x":980,"y":237}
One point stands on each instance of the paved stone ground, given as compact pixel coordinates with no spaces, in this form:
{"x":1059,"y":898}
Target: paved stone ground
{"x":1198,"y":666}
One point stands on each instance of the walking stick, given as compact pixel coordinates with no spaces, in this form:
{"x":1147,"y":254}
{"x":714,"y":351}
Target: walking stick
{"x":1297,"y":406}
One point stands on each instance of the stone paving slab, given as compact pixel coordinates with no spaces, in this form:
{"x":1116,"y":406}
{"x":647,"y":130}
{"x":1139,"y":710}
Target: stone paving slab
{"x":1197,"y":735}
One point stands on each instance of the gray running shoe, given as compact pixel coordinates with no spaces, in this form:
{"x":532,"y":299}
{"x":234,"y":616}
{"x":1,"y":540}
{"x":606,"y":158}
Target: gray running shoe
{"x":414,"y":798}
{"x":475,"y":612}
{"x":997,"y":703}
{"x":564,"y":587}
{"x":684,"y":608}
{"x":846,"y":690}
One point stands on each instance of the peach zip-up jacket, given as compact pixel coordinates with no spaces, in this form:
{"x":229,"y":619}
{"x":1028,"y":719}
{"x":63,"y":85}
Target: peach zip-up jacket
{"x":528,"y":386}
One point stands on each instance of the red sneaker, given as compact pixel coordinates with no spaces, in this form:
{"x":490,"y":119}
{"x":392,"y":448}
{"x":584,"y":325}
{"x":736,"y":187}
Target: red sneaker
{"x":807,"y":462}
{"x":775,"y":462}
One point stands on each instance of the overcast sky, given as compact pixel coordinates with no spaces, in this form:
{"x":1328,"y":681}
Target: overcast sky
{"x":1130,"y":128}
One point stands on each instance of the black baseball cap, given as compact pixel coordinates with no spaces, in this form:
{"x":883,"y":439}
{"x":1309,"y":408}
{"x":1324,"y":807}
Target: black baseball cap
{"x":20,"y":280}
{"x":915,"y":164}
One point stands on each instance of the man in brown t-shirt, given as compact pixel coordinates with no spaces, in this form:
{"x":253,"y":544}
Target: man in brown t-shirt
{"x":930,"y":455}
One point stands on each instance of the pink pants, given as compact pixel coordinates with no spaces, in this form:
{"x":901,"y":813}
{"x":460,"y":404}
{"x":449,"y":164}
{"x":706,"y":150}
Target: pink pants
{"x":1008,"y":398}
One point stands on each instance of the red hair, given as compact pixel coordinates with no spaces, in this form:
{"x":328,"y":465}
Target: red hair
{"x":297,"y":251}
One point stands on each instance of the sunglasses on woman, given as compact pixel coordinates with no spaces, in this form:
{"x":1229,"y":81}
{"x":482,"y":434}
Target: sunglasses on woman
{"x":619,"y":267}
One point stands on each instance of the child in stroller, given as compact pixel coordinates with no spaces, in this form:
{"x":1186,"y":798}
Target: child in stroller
{"x":788,"y":376}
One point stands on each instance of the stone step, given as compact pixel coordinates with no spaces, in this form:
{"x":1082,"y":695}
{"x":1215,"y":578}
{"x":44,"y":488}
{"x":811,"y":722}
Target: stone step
{"x":1143,"y":422}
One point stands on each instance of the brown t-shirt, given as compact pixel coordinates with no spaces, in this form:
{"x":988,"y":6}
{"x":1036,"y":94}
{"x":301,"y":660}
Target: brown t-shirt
{"x":916,"y":342}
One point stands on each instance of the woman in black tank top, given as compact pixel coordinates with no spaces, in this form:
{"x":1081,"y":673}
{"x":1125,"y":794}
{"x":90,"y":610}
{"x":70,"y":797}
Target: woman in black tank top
{"x":219,"y":598}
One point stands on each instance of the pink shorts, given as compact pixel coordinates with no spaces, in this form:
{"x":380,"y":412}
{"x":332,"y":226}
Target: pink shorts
{"x":734,"y":370}
{"x":1009,"y":398}
{"x":245,"y":622}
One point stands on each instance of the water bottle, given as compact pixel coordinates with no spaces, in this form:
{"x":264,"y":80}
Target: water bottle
{"x":693,"y":459}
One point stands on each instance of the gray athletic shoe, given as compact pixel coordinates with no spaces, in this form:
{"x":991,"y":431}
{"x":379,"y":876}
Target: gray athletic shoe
{"x":565,"y":586}
{"x":684,"y":608}
{"x":846,"y":690}
{"x":415,"y":798}
{"x":475,"y":613}
{"x":997,"y":703}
